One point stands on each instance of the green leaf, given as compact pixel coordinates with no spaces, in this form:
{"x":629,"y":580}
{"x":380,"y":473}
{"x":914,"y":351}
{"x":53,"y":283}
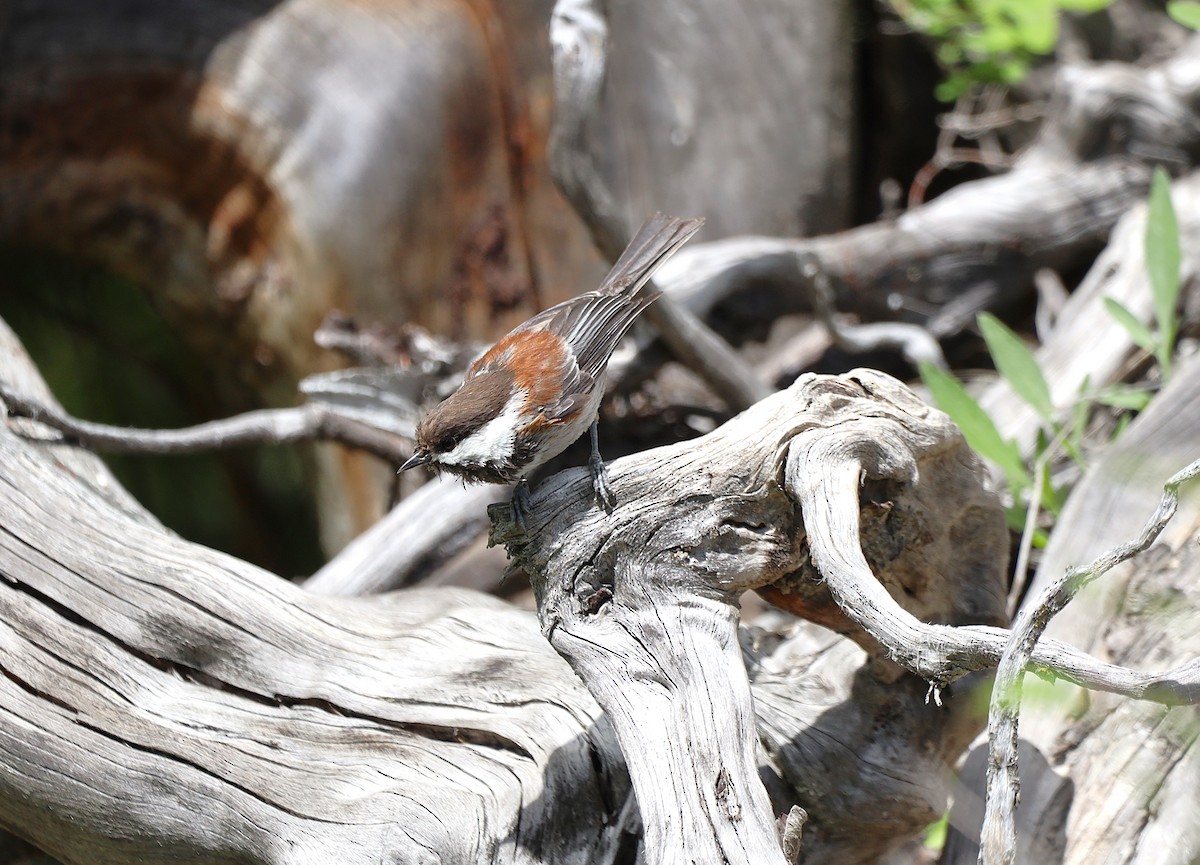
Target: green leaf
{"x":1052,"y":499}
{"x":1137,"y":329}
{"x":1123,"y":396}
{"x":1036,"y":25}
{"x":955,"y":85}
{"x":1082,"y":410}
{"x":978,"y":429}
{"x":1085,"y":6}
{"x":1014,"y":518}
{"x":1162,"y":264}
{"x":1017,"y":364}
{"x":1185,"y":12}
{"x":934,"y":837}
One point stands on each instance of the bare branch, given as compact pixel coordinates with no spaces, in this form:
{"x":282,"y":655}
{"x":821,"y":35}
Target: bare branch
{"x":999,"y":838}
{"x":914,"y":342}
{"x":309,"y":422}
{"x":828,"y":494}
{"x":424,"y":529}
{"x":579,"y":36}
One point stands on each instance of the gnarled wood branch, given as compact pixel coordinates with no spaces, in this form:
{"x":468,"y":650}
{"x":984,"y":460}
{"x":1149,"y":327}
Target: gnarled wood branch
{"x":162,"y":701}
{"x":642,"y":601}
{"x":844,"y":499}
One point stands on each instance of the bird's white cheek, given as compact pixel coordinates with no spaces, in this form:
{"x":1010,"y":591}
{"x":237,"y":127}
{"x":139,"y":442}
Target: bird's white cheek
{"x":491,"y":443}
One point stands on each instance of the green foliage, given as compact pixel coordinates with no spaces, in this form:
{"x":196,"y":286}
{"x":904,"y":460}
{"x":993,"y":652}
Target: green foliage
{"x":1141,"y":335}
{"x":988,"y":41}
{"x":977,"y":428}
{"x":1185,"y":12}
{"x":934,"y":837}
{"x":1017,"y":365}
{"x":1029,"y":484}
{"x":1163,"y":259}
{"x":1162,"y":266}
{"x":1125,"y":397}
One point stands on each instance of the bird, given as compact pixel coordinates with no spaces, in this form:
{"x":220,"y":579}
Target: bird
{"x":533,"y":393}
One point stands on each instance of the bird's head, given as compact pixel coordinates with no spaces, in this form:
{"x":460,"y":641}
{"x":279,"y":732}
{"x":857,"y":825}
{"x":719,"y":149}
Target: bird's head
{"x":473,"y":432}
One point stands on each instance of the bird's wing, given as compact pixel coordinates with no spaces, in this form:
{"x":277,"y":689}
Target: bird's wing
{"x":656,"y":241}
{"x":592,"y":324}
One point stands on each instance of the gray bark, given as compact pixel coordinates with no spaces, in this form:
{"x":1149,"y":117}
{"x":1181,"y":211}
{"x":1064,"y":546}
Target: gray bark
{"x":160,"y":700}
{"x":642,"y":602}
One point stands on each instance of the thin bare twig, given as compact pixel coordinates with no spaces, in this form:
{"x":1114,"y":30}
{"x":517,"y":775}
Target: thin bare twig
{"x":999,"y":836}
{"x":707,"y":354}
{"x":308,"y":422}
{"x":914,"y":342}
{"x":1021,"y":569}
{"x":1052,"y":295}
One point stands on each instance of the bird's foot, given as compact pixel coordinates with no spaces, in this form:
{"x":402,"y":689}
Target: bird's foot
{"x":604,"y":493}
{"x":520,"y":505}
{"x":600,"y":484}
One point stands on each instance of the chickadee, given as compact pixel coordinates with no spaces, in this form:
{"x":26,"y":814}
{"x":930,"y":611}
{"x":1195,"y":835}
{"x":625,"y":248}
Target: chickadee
{"x":535,"y":391}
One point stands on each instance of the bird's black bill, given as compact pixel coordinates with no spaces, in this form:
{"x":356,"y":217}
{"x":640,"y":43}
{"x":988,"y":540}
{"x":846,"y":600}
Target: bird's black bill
{"x":417,"y":459}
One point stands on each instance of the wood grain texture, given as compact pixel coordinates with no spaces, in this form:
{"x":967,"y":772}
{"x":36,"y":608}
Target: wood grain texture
{"x":159,"y":700}
{"x":642,"y":601}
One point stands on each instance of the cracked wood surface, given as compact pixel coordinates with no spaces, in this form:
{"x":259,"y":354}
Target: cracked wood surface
{"x":642,"y":601}
{"x":160,"y":700}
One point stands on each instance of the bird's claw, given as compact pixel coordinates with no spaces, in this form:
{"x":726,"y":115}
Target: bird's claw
{"x":520,"y":505}
{"x":604,"y":493}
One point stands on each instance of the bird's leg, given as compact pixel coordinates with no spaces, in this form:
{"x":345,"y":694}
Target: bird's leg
{"x":520,"y":504}
{"x":604,"y":494}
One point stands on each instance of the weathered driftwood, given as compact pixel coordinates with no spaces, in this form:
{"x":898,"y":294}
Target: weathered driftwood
{"x":642,"y":601}
{"x":160,"y":701}
{"x":424,"y":530}
{"x":131,"y":649}
{"x":850,"y":480}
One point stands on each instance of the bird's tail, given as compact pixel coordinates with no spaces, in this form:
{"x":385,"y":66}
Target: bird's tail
{"x":656,"y":241}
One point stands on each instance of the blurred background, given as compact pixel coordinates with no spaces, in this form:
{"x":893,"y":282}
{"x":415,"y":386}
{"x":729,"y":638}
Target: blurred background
{"x":188,"y":189}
